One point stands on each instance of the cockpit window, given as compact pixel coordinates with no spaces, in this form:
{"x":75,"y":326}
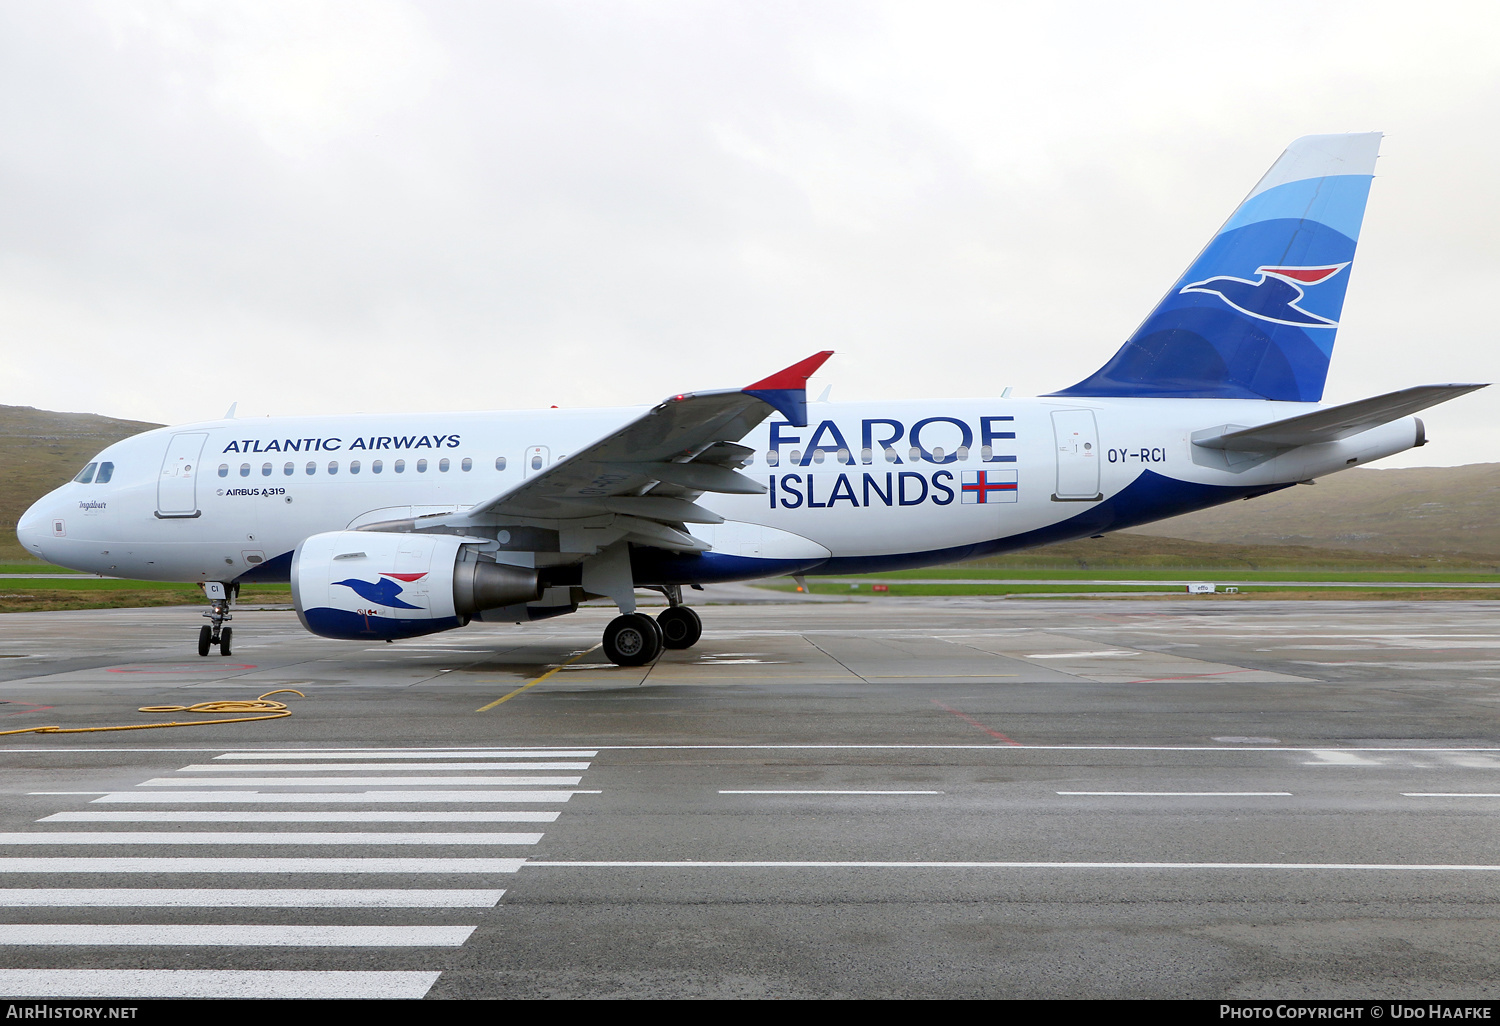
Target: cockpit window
{"x":106,"y":471}
{"x":86,"y":474}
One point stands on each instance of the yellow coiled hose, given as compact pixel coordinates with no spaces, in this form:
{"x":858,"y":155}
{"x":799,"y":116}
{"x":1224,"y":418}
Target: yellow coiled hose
{"x":268,"y":710}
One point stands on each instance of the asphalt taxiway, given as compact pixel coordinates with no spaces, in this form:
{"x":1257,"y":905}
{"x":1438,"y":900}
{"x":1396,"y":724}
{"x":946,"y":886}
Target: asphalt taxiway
{"x":956,"y":797}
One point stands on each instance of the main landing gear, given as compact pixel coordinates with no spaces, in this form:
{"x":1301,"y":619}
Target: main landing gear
{"x":635,"y":639}
{"x":214,"y":633}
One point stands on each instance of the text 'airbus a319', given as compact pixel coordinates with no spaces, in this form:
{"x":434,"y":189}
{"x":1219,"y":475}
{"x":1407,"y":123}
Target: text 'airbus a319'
{"x":391,"y":527}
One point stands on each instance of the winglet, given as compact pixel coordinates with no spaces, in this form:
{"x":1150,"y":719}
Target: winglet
{"x":786,"y":390}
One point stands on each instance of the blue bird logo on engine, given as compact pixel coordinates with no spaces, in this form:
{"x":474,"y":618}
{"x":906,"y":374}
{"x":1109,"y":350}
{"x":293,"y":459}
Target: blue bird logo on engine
{"x":384,"y":592}
{"x":1274,"y":295}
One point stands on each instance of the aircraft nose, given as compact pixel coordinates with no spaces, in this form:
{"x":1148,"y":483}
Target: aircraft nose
{"x":33,"y":527}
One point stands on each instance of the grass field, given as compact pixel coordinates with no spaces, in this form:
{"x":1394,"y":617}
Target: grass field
{"x":971,"y":572}
{"x":17,"y":596}
{"x":835,"y":588}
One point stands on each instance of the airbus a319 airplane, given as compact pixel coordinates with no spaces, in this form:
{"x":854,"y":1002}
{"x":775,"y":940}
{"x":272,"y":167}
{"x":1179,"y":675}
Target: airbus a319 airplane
{"x":394,"y":526}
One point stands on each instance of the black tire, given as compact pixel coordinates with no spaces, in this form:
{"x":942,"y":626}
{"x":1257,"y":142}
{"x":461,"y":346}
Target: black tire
{"x":680,"y":627}
{"x":205,"y":639}
{"x":632,"y":640}
{"x":224,"y":637}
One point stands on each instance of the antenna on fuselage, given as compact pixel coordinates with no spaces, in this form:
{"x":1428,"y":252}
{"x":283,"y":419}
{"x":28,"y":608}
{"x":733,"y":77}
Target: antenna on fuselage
{"x":229,"y":413}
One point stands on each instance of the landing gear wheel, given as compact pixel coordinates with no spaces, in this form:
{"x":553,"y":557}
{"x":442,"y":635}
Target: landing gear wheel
{"x":632,"y":640}
{"x":224,"y":637}
{"x":680,"y":627}
{"x":205,"y":639}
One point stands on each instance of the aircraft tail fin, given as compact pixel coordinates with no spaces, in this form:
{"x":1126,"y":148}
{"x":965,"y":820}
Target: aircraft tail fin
{"x":1255,"y":315}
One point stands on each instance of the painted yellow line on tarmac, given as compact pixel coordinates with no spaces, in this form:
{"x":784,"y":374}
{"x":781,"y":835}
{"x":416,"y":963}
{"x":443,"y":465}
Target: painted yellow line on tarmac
{"x":534,"y":683}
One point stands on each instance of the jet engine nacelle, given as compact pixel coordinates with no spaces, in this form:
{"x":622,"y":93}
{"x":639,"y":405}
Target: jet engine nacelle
{"x":363,"y":585}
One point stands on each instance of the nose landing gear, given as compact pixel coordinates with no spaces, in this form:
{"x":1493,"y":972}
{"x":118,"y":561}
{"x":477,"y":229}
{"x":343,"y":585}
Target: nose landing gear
{"x":214,"y":633}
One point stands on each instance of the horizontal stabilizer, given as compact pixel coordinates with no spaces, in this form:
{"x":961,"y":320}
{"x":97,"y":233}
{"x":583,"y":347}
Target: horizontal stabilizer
{"x":1331,"y":424}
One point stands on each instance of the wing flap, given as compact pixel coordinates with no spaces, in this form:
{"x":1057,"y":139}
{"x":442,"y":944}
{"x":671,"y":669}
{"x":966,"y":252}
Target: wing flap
{"x":702,"y":477}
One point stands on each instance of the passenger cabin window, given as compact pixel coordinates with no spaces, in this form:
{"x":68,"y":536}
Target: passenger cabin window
{"x":333,"y":466}
{"x":244,"y":470}
{"x":467,"y":465}
{"x":265,"y":470}
{"x":354,"y":466}
{"x":914,"y":454}
{"x":963,"y":453}
{"x":312,"y":468}
{"x":106,"y":471}
{"x":421,"y":466}
{"x":772,"y":457}
{"x":536,"y":461}
{"x":289,"y":469}
{"x":86,"y":474}
{"x":499,"y":462}
{"x":223,"y":470}
{"x":817,"y":455}
{"x":866,"y":455}
{"x":376,"y":466}
{"x":399,"y":466}
{"x":749,"y":460}
{"x":843,"y":455}
{"x":443,"y":465}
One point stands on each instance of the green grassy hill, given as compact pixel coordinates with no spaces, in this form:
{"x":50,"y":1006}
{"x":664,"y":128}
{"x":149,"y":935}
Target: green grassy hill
{"x":40,"y":450}
{"x":1421,"y":511}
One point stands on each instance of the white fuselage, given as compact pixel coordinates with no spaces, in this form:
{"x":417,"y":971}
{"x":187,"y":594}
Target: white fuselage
{"x":217,"y":500}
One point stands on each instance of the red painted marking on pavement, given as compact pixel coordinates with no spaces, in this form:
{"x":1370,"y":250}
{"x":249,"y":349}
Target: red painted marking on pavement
{"x":971,"y":720}
{"x":29,"y":708}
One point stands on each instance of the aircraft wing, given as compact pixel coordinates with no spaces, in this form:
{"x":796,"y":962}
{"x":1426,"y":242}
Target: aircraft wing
{"x":1331,"y":424}
{"x":646,"y":475}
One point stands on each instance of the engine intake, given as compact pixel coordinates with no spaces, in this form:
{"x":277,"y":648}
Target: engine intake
{"x":362,"y":585}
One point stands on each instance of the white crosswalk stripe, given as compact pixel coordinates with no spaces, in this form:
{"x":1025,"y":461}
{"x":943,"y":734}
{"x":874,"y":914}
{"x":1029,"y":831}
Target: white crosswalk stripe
{"x":214,"y":983}
{"x":398,"y":767}
{"x":426,"y":753}
{"x":356,"y":781}
{"x":238,"y":935}
{"x":175,"y":864}
{"x":187,"y":837}
{"x":447,"y":783}
{"x":330,"y":797}
{"x":263,"y":897}
{"x":324,"y":816}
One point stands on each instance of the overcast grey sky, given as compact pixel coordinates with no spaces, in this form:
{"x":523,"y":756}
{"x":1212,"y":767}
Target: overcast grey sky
{"x":312,"y":206}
